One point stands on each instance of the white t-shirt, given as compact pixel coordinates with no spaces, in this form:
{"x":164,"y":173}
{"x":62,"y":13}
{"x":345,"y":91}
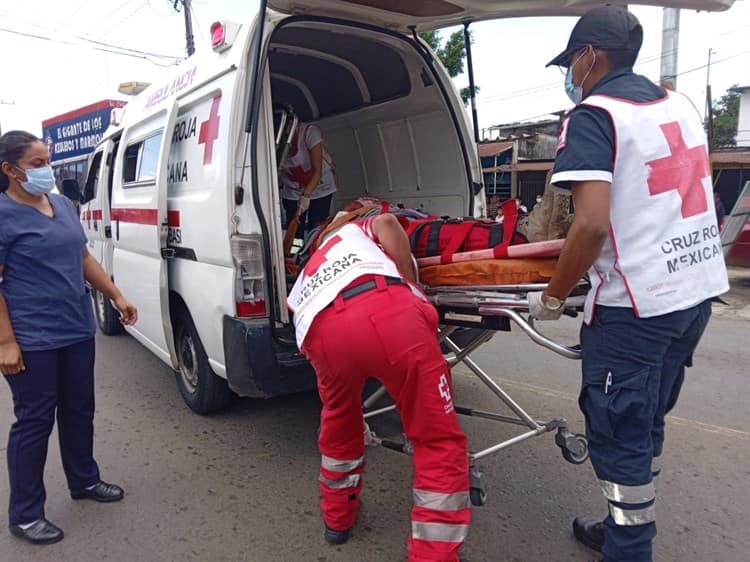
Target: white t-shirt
{"x":297,"y":169}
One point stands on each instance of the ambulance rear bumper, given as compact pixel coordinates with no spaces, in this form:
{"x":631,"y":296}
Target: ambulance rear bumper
{"x":259,"y":366}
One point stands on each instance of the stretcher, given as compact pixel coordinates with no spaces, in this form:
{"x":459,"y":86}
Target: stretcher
{"x":470,"y":316}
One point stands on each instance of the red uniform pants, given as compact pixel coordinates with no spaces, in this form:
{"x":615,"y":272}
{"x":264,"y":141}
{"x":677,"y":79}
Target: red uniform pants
{"x":390,"y":334}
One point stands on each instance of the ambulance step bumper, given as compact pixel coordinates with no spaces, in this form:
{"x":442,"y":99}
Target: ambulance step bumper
{"x":259,"y":366}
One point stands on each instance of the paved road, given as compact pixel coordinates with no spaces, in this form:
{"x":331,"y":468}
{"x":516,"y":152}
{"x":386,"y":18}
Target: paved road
{"x":241,"y":485}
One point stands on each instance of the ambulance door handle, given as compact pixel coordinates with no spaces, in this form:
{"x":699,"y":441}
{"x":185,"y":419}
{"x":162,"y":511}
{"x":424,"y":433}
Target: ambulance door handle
{"x":117,"y":229}
{"x":96,"y":226}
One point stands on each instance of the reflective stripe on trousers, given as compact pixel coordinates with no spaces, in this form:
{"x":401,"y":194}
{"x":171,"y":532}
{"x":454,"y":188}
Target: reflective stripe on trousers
{"x":631,"y":517}
{"x":349,"y":481}
{"x":441,"y":502}
{"x":438,"y":532}
{"x":338,"y":465}
{"x":621,"y":493}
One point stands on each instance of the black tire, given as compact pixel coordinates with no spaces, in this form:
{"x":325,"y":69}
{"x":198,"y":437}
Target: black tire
{"x":477,"y":496}
{"x":107,"y":318}
{"x":581,"y":455}
{"x":202,"y":390}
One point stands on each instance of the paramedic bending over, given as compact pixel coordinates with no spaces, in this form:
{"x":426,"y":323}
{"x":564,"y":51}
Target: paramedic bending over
{"x":47,"y":335}
{"x":307,"y":179}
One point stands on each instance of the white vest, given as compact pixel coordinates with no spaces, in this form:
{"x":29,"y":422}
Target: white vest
{"x":297,"y":169}
{"x":663,"y":253}
{"x":343,"y":257}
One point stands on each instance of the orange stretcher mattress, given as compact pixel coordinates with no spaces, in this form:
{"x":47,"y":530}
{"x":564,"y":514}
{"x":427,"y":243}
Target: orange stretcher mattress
{"x":489,"y":272}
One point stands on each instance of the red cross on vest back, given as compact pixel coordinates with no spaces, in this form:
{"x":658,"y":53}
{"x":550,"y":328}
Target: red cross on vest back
{"x":319,"y":257}
{"x":210,"y":131}
{"x":682,"y":171}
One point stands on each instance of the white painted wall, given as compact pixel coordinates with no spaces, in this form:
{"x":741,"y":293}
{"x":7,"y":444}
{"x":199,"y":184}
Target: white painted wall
{"x":743,"y":121}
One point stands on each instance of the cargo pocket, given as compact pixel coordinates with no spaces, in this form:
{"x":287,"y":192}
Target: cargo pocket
{"x":398,"y":333}
{"x":631,"y":404}
{"x":617,"y":407}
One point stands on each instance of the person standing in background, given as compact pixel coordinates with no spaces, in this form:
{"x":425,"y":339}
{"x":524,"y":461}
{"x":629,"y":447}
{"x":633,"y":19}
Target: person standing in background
{"x":47,"y":335}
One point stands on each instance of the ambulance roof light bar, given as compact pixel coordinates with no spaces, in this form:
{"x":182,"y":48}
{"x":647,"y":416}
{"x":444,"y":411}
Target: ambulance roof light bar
{"x":223,"y":34}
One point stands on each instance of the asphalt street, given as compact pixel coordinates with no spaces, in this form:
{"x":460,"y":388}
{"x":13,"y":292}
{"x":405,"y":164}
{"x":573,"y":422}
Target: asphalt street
{"x":241,"y":485}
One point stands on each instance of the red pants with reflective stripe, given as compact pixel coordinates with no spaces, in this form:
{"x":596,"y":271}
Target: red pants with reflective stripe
{"x":390,"y":334}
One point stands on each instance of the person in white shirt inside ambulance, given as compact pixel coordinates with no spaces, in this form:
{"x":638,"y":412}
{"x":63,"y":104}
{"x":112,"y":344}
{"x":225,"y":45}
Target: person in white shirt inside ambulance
{"x":308,"y":181}
{"x":634,"y":156}
{"x":358,"y":313}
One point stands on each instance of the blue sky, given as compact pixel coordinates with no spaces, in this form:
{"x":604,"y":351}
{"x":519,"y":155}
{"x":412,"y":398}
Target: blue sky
{"x":62,"y":67}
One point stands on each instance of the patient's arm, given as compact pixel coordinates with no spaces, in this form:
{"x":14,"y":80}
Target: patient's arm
{"x":395,"y":243}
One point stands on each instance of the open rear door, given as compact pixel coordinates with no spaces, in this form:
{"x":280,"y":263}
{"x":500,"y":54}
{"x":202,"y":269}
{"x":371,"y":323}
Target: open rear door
{"x":140,"y":228}
{"x":431,"y":14}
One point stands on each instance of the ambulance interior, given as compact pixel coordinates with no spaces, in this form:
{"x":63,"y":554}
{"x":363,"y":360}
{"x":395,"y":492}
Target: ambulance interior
{"x":384,"y":119}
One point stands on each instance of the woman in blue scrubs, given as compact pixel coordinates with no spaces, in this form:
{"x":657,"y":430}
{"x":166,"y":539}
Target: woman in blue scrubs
{"x":47,"y":335}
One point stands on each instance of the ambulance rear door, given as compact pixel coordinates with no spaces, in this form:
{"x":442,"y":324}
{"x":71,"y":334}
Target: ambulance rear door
{"x":140,"y":228}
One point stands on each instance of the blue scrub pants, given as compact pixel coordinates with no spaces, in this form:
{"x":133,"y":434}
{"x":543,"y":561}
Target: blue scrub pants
{"x":633,"y":370}
{"x":57,"y":381}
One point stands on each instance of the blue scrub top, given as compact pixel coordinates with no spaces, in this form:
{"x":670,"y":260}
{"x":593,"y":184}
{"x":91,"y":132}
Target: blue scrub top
{"x":43,"y":283}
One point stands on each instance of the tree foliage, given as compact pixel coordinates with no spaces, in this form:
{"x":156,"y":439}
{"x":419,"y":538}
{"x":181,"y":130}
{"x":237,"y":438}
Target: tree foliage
{"x":451,"y":53}
{"x":726,"y":112}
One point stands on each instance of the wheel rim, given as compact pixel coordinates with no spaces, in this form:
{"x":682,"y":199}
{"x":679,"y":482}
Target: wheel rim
{"x":188,"y":358}
{"x":100,"y":305}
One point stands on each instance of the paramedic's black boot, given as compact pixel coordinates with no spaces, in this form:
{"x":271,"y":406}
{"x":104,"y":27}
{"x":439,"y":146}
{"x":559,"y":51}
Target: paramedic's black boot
{"x":590,"y":532}
{"x":336,"y":537}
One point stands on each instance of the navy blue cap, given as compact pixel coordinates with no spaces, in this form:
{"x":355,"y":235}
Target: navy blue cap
{"x":609,"y":27}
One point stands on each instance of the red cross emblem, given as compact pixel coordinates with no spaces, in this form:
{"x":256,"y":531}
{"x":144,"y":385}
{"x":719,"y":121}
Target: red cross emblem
{"x":683,"y":171}
{"x":319,"y":257}
{"x":210,"y":131}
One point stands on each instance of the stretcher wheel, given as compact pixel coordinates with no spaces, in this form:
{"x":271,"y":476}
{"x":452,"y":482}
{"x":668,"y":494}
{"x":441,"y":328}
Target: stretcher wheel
{"x":575,"y":450}
{"x":478,"y":496}
{"x":477,"y":489}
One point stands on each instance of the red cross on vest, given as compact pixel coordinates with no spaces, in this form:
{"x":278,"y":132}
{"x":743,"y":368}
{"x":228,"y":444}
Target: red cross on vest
{"x":210,"y":131}
{"x":683,"y":171}
{"x":319,"y":257}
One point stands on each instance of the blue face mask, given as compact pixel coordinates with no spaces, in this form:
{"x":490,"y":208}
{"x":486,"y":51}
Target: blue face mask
{"x":38,"y":180}
{"x":575,"y":93}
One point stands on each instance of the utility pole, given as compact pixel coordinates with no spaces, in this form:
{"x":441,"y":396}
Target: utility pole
{"x":670,"y":37}
{"x":709,"y":114}
{"x":189,"y":40}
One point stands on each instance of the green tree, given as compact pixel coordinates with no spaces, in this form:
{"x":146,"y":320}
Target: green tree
{"x":726,"y":111}
{"x":452,"y":54}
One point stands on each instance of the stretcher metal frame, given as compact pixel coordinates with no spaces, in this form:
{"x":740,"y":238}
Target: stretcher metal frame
{"x":488,"y":309}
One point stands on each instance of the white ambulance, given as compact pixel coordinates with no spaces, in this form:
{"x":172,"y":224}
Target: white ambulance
{"x":183,"y":207}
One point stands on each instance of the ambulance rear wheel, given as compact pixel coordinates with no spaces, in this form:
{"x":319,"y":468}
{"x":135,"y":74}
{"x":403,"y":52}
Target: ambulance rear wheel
{"x":107,"y":318}
{"x":202,"y":390}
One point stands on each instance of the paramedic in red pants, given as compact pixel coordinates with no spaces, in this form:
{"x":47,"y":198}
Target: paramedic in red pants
{"x":635,"y":158}
{"x":357,"y":314}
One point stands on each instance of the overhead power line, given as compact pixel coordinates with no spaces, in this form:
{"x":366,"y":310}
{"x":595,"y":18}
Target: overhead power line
{"x":104,"y":47}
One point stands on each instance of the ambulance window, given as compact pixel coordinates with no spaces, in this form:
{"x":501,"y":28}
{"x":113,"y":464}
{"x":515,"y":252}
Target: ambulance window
{"x":130,"y":169}
{"x":141,"y":160}
{"x":149,"y":158}
{"x":92,"y":181}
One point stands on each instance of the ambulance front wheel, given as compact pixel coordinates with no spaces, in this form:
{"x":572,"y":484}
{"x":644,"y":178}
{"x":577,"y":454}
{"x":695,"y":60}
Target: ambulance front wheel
{"x":107,"y":318}
{"x":201,"y":389}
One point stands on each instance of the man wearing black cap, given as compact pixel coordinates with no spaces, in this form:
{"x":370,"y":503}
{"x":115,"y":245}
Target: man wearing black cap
{"x":635,"y":159}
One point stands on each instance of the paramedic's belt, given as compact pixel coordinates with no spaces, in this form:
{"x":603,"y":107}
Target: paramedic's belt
{"x":368,"y":285}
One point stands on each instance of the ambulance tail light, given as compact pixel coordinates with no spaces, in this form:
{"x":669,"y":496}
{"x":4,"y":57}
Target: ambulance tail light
{"x":223,"y":34}
{"x":250,"y":278}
